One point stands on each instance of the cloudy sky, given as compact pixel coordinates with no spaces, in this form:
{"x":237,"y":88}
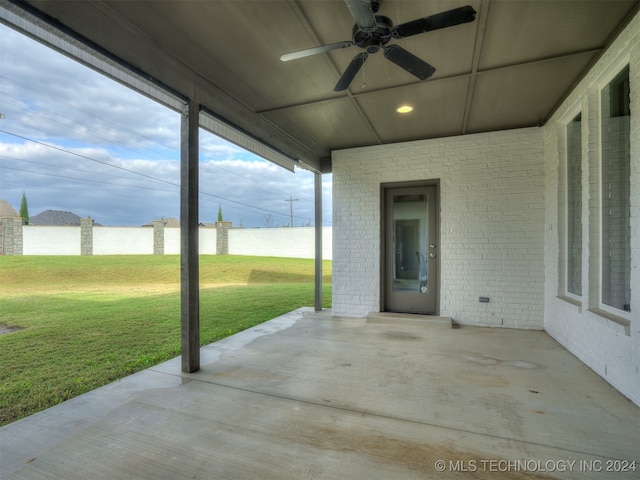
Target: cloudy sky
{"x":73,"y":140}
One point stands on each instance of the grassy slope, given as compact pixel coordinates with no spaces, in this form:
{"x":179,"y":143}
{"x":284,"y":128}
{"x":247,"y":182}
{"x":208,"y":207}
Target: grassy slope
{"x":90,"y":320}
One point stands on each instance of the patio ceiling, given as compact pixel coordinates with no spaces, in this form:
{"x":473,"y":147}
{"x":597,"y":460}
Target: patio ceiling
{"x":509,"y":68}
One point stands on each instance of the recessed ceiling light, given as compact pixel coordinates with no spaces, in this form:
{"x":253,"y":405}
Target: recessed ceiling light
{"x":404,"y":109}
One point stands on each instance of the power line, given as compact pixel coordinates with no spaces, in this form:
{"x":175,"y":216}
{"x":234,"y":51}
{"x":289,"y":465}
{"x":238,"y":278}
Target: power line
{"x":69,"y":152}
{"x":57,"y":167}
{"x":213,"y":164}
{"x":125,"y":169}
{"x":116,"y":125}
{"x":151,"y":177}
{"x":59,"y":117}
{"x":291,"y":200}
{"x":202,"y":194}
{"x":82,"y":179}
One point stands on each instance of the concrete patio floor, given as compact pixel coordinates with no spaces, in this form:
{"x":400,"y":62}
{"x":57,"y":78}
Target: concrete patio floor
{"x":309,"y":396}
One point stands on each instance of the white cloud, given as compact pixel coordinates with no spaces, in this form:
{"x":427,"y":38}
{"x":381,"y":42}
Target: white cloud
{"x":73,"y":139}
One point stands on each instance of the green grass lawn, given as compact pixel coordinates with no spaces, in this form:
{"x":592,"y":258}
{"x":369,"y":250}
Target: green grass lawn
{"x":85,"y":321}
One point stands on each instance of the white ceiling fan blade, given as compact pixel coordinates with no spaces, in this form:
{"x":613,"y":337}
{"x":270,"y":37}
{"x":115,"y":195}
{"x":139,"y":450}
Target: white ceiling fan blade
{"x":362,"y":13}
{"x":315,"y":50}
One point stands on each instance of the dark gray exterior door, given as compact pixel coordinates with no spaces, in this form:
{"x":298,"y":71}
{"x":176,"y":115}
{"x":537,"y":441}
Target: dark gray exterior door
{"x":410,"y":262}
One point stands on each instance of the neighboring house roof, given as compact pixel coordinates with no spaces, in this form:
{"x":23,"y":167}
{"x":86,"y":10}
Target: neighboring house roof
{"x":173,"y":222}
{"x":6,"y":210}
{"x":170,"y":222}
{"x":55,"y":217}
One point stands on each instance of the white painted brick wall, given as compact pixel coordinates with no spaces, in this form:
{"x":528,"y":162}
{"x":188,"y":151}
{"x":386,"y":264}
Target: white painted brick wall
{"x":609,"y":348}
{"x":492,"y":222}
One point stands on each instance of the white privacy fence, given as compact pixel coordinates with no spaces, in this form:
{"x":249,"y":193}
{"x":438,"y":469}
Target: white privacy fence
{"x":121,"y":240}
{"x":51,"y":240}
{"x":297,"y":242}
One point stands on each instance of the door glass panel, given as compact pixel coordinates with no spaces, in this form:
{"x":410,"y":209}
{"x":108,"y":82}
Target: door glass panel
{"x":410,"y":241}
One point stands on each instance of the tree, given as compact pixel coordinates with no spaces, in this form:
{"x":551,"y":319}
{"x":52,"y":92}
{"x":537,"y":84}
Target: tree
{"x":24,"y":209}
{"x":220,"y":213}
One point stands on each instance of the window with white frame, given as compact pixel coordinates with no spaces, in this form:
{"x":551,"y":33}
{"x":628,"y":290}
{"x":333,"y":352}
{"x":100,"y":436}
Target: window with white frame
{"x":616,"y":187}
{"x":573,"y":189}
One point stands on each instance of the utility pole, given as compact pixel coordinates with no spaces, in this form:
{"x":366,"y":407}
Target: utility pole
{"x":291,"y":200}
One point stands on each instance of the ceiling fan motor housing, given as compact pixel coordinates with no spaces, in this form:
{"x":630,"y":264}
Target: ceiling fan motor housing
{"x":373,"y":40}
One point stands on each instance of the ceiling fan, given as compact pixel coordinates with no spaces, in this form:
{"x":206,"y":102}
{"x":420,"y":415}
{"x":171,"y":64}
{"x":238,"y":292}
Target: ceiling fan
{"x":373,"y":32}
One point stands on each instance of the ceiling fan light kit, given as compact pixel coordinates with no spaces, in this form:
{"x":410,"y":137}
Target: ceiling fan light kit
{"x":373,"y":32}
